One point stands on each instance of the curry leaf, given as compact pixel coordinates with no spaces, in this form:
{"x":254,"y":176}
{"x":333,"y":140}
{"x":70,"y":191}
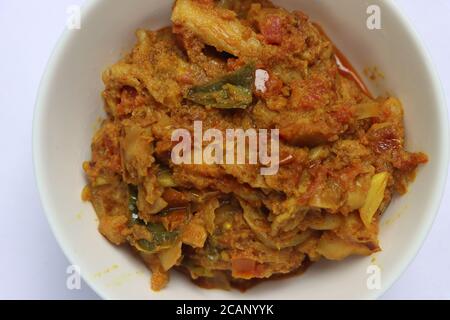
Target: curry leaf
{"x":230,"y":92}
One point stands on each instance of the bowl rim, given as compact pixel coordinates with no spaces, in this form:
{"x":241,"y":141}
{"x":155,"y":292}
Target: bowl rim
{"x":414,"y":248}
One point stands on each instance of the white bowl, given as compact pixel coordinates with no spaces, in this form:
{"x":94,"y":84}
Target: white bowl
{"x":69,"y":105}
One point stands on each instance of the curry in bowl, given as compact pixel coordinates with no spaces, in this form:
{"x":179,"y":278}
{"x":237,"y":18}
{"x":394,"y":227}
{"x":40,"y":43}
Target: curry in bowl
{"x":245,"y":65}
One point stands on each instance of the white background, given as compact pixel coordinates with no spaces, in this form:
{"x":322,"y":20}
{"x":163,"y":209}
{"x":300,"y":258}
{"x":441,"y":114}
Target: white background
{"x":32,"y":266}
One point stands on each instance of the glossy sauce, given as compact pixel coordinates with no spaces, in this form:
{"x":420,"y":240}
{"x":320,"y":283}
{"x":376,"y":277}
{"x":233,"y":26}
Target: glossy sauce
{"x":345,"y":67}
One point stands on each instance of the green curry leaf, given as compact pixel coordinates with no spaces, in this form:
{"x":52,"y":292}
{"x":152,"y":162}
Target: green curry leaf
{"x":230,"y":92}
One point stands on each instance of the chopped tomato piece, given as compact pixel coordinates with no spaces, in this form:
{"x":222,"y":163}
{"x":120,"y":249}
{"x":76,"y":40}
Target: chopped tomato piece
{"x":272,"y":30}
